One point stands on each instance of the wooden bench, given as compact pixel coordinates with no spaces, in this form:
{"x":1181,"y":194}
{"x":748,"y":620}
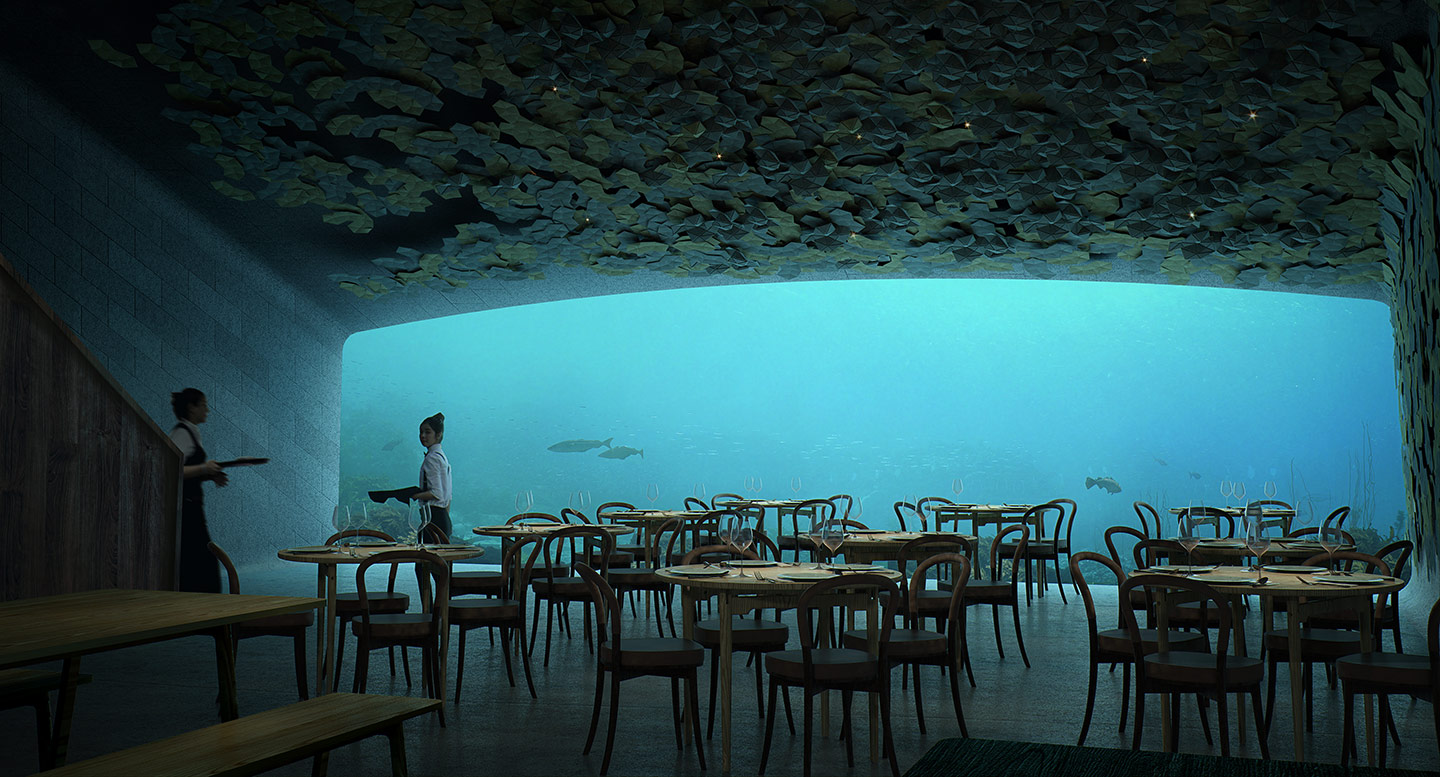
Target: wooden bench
{"x":31,"y":688}
{"x":266,"y":740}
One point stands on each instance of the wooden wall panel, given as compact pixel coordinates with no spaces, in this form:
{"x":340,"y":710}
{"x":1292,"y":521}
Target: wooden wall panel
{"x":89,"y":484}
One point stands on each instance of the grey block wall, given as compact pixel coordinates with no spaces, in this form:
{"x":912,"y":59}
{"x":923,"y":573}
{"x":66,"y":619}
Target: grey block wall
{"x":164,"y":300}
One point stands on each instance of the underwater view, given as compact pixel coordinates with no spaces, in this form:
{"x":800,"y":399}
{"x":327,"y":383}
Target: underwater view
{"x":983,"y":391}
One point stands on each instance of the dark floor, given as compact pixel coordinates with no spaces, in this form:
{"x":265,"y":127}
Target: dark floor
{"x":151,"y":692}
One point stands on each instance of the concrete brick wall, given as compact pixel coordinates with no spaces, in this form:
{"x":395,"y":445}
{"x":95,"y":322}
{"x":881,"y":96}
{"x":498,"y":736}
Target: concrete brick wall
{"x":164,"y":300}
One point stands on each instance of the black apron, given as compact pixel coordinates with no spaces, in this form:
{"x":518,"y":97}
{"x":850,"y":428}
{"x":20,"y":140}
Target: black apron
{"x":439,"y":528}
{"x":199,"y":569}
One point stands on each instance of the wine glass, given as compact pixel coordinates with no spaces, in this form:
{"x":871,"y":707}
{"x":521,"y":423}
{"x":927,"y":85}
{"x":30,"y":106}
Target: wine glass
{"x":415,"y":521}
{"x":1238,"y":490}
{"x":739,"y":536}
{"x":698,"y":491}
{"x":1188,"y":536}
{"x":524,"y":501}
{"x":795,"y":484}
{"x":1270,"y":489}
{"x":340,"y":519}
{"x":857,"y":507}
{"x":652,"y":492}
{"x":957,"y":486}
{"x":1255,"y":538}
{"x":832,"y":536}
{"x":753,"y":484}
{"x":1227,"y":490}
{"x":1330,"y":540}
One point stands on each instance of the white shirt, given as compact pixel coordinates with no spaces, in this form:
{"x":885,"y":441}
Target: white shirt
{"x":435,"y":476}
{"x":183,"y":440}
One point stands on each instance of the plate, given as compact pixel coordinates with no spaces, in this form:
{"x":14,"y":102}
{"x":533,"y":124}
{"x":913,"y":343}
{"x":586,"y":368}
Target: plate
{"x":312,"y":549}
{"x":371,"y":542}
{"x":806,"y":574}
{"x":451,"y":546}
{"x":857,"y":567}
{"x":1229,"y":578}
{"x":869,"y":531}
{"x":694,"y":571}
{"x":904,"y":536}
{"x":1221,"y":544}
{"x":751,"y":562}
{"x":1297,"y":569}
{"x":1300,"y":543}
{"x":1348,"y":577}
{"x":1179,"y":569}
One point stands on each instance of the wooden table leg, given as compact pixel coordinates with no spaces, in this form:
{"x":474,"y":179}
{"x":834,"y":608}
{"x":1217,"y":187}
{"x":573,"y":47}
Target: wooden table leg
{"x":64,"y":712}
{"x":325,"y":635}
{"x":1237,"y":617}
{"x":872,"y":635}
{"x":727,"y":643}
{"x":688,"y":604}
{"x":225,"y":670}
{"x":396,"y":735}
{"x":1296,"y":688}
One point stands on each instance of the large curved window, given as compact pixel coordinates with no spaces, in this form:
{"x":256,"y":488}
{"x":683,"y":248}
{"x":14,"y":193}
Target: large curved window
{"x":1015,"y":391}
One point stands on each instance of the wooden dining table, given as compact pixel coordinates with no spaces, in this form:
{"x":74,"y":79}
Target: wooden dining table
{"x":763,"y":588}
{"x":68,"y":627}
{"x":328,"y":559}
{"x":1305,"y":595}
{"x":650,"y":521}
{"x":868,"y":546}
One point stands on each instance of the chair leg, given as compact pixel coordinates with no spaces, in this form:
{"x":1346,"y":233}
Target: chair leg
{"x":339,"y":658}
{"x":955,"y":699}
{"x":714,"y":684}
{"x":809,"y":713}
{"x":769,"y":725}
{"x":692,"y":703}
{"x":995,"y":619}
{"x":614,"y":719}
{"x":535,"y":626}
{"x":362,"y":666}
{"x":1261,"y":733}
{"x":1307,"y":690}
{"x":460,"y":666}
{"x":919,"y":705}
{"x":405,"y":663}
{"x":847,"y":700}
{"x":1202,"y":705}
{"x":1270,"y":690}
{"x":1058,"y":582}
{"x":595,"y":712}
{"x":1124,"y":696}
{"x":1174,"y":723}
{"x":1139,"y":715}
{"x":675,"y":712}
{"x":1221,"y":701}
{"x":887,"y":730}
{"x":549,"y":622}
{"x":505,"y":651}
{"x":525,"y":657}
{"x":759,"y":672}
{"x":300,"y":665}
{"x":1019,"y":638}
{"x":1090,"y":702}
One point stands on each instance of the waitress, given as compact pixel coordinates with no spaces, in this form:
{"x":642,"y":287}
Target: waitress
{"x":199,"y":571}
{"x":435,"y":479}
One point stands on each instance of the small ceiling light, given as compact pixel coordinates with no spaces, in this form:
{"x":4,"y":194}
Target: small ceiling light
{"x":967,"y":125}
{"x":857,"y":136}
{"x":1144,"y":60}
{"x":717,"y":154}
{"x":1192,"y":215}
{"x":554,"y":88}
{"x":1253,"y":115}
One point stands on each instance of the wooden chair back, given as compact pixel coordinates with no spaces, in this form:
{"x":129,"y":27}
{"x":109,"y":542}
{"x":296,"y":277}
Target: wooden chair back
{"x":1128,"y":531}
{"x":903,"y":508}
{"x":437,"y":569}
{"x":1149,"y":517}
{"x":1209,"y":599}
{"x":1017,"y":556}
{"x":926,"y":507}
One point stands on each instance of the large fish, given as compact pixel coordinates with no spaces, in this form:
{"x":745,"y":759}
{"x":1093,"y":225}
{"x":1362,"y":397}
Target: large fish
{"x":1108,"y":484}
{"x":578,"y":446}
{"x":622,"y":452}
{"x":1195,"y":475}
{"x":390,"y":446}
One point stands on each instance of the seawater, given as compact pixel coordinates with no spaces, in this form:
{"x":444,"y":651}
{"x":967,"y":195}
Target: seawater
{"x":974,"y":390}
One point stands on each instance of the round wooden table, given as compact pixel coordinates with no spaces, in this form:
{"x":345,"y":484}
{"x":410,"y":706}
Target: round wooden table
{"x":1304,"y":597}
{"x":868,"y":547}
{"x":763,"y":588}
{"x":328,"y":558}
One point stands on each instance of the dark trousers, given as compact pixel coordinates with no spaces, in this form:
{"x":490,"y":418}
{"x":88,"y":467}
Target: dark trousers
{"x":199,"y":569}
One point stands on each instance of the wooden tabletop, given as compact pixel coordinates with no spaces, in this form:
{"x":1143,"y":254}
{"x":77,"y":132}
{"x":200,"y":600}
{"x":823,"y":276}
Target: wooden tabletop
{"x":881,"y":540}
{"x":1239,"y":510}
{"x":941,"y":507}
{"x":1231,"y":549}
{"x":354,"y":554}
{"x":1240,"y":580}
{"x":763,"y":579}
{"x":50,"y":627}
{"x":542,"y":529}
{"x":762,"y":503}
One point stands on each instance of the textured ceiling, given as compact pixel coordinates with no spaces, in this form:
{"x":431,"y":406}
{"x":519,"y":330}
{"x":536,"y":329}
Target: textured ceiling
{"x":1245,"y":142}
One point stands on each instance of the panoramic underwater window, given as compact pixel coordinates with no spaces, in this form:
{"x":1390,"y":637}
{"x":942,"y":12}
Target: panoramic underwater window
{"x":982,"y":391}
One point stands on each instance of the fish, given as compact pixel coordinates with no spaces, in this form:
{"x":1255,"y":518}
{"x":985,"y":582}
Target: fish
{"x":1108,"y":484}
{"x":578,"y":446}
{"x":1161,"y":462}
{"x":390,"y":446}
{"x":622,"y":452}
{"x":1195,"y":475}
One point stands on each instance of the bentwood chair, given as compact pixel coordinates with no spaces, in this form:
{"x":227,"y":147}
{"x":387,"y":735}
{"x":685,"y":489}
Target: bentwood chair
{"x":721,"y":501}
{"x":1336,"y":519}
{"x":1113,"y":646}
{"x":1391,"y":673}
{"x":998,"y":592}
{"x":816,"y":669}
{"x":347,"y":605}
{"x":919,"y":647}
{"x":1137,"y":598}
{"x":1175,"y":672}
{"x":644,"y":580}
{"x":818,"y":512}
{"x":1281,"y":522}
{"x":291,"y":625}
{"x":755,"y":636}
{"x":559,"y":550}
{"x":1188,"y":615}
{"x":1149,"y":517}
{"x":925,"y":506}
{"x":908,"y":509}
{"x":931,"y":598}
{"x":624,"y":658}
{"x":410,"y":629}
{"x":1386,"y":615}
{"x":505,"y":612}
{"x":1044,"y":547}
{"x":629,"y":551}
{"x":1318,"y":645}
{"x":698,"y":505}
{"x":1218,"y":519}
{"x":618,"y":558}
{"x":844,"y":505}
